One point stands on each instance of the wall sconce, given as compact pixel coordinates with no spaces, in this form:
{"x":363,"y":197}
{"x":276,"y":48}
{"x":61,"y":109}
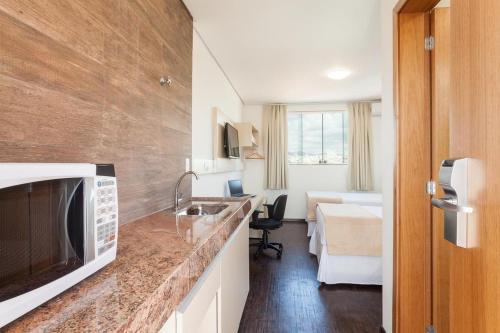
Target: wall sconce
{"x":165,"y":81}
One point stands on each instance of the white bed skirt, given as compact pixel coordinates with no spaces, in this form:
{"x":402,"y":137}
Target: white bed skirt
{"x":311,"y":226}
{"x":333,"y":269}
{"x":349,"y":269}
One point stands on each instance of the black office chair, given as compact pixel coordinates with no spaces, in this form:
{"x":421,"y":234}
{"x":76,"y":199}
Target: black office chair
{"x":276,"y":212}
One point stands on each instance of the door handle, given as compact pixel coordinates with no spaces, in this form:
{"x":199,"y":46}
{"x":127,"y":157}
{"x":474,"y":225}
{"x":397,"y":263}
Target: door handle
{"x":449,"y":205}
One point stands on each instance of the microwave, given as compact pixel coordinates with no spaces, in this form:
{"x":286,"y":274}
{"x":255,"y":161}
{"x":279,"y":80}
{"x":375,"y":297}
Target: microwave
{"x":58,"y":225}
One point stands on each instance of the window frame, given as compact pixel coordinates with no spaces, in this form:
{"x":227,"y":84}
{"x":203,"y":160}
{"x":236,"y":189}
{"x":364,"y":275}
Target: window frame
{"x":345,"y":155}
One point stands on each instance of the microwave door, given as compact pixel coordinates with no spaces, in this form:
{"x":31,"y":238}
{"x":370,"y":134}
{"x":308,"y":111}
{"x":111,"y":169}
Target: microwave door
{"x":14,"y":238}
{"x":41,"y":234}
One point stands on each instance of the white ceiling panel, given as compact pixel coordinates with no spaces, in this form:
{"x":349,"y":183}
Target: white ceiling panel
{"x":282,"y":50}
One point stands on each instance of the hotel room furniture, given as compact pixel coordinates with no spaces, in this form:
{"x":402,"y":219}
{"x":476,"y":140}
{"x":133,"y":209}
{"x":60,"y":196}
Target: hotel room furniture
{"x":356,"y":256}
{"x":249,"y":140}
{"x":261,"y":211}
{"x":275,"y":212}
{"x":248,"y":135}
{"x":315,"y":197}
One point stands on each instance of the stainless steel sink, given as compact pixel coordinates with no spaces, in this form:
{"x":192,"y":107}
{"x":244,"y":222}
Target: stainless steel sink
{"x":203,"y":209}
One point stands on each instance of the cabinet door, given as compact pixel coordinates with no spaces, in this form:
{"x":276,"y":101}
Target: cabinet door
{"x":198,"y":312}
{"x":235,"y":282}
{"x":169,"y":326}
{"x":208,"y":323}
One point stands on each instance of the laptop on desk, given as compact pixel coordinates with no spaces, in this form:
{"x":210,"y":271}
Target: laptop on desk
{"x":236,"y":189}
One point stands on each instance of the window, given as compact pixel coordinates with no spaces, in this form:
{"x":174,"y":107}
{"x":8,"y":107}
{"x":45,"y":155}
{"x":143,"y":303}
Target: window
{"x":317,"y":137}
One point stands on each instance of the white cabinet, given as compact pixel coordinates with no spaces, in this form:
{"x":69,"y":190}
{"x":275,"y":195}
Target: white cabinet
{"x":215,"y":304}
{"x":169,"y":326}
{"x":209,"y":323}
{"x":235,"y":280}
{"x":248,"y":135}
{"x":198,"y":313}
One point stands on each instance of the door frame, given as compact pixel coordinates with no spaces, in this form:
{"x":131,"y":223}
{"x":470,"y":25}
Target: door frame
{"x":412,"y":293}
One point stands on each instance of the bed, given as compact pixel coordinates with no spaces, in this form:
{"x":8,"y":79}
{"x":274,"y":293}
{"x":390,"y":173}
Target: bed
{"x":315,"y":197}
{"x":359,"y":264}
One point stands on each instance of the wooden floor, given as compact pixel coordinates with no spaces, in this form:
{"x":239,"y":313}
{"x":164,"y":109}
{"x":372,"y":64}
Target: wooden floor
{"x":286,"y":297}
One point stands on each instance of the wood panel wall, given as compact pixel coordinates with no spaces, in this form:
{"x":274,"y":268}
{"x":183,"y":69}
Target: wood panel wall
{"x":79,"y":82}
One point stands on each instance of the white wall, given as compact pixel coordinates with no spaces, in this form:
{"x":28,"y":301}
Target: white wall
{"x":388,"y":142}
{"x":303,"y":178}
{"x":211,"y":88}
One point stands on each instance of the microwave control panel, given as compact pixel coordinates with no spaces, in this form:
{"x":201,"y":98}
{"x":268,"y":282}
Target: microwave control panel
{"x":106,"y":213}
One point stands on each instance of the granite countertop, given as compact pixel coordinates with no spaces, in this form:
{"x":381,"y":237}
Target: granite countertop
{"x":160,"y":257}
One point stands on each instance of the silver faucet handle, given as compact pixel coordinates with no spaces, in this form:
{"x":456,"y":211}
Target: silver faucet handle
{"x":178,"y":195}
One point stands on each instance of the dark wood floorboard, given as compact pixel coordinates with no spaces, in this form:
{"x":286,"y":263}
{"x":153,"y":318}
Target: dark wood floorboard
{"x":286,"y":297}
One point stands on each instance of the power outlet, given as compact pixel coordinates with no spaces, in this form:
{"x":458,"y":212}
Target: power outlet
{"x":188,"y":164}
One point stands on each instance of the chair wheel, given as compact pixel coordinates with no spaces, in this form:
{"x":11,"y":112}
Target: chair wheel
{"x":279,"y":255}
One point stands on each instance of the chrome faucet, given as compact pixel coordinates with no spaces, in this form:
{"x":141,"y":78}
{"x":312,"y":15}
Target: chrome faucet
{"x":179,"y":183}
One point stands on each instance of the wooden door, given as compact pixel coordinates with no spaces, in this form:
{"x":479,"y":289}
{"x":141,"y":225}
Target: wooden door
{"x":463,"y":293}
{"x":440,"y":86}
{"x":412,"y":230}
{"x":466,"y":282}
{"x":475,"y":132}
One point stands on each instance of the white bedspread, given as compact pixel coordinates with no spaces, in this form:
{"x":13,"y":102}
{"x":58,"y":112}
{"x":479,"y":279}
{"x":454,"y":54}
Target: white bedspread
{"x":359,"y":198}
{"x":344,"y":269}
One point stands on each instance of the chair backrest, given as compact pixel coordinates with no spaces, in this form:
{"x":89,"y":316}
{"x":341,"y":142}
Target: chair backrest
{"x":279,"y":207}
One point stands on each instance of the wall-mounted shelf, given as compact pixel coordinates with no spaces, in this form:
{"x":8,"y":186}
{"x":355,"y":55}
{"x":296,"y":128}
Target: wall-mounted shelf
{"x":248,"y":135}
{"x":249,"y":139}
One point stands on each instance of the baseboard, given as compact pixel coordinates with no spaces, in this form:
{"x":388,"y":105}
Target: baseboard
{"x":294,"y":220}
{"x":382,"y":329}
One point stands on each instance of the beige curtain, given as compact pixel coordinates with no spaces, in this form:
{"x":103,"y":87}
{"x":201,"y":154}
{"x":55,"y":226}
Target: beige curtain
{"x":275,"y":125}
{"x":360,"y":147}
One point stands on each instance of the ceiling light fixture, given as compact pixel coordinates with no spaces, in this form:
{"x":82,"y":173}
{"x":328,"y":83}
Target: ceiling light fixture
{"x":339,"y":74}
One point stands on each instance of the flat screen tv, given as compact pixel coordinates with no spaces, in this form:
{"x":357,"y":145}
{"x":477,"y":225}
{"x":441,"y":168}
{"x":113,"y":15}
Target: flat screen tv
{"x":231,"y":143}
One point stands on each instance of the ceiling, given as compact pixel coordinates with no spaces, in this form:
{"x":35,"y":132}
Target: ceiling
{"x":281,"y":50}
